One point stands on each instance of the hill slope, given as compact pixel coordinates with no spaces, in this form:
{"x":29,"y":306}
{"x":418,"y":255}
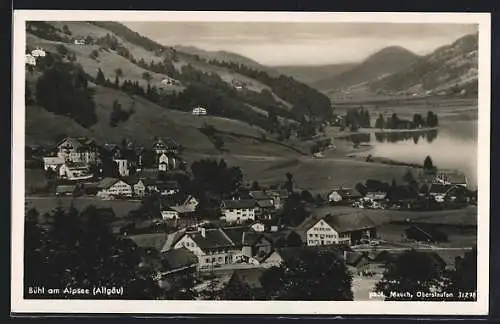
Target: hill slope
{"x":449,"y":69}
{"x":314,"y":73}
{"x":387,"y":61}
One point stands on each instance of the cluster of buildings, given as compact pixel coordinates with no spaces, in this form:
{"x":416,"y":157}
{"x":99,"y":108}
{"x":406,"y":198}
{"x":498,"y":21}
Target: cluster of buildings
{"x":31,"y":57}
{"x":81,"y":160}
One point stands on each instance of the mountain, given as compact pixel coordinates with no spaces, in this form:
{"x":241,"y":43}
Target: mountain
{"x":310,"y":74}
{"x":450,"y":69}
{"x":120,"y":83}
{"x":387,"y":61}
{"x":224,"y":56}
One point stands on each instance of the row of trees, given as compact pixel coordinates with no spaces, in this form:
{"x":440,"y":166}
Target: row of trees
{"x":394,"y":122}
{"x":356,"y":118}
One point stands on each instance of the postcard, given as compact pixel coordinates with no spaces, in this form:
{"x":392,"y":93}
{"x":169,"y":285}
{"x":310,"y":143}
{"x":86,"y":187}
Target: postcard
{"x":250,"y":163}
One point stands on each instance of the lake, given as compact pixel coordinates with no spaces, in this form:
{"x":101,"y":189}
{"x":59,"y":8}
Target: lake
{"x":452,"y":146}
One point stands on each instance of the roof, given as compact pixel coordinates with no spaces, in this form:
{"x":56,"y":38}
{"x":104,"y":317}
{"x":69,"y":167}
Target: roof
{"x":107,"y":183}
{"x":239,"y":204}
{"x":65,"y":189}
{"x":155,"y":240}
{"x":259,"y":195}
{"x":178,"y":258}
{"x":349,"y":222}
{"x":439,"y":188}
{"x":346,"y":192}
{"x":249,"y":238}
{"x":235,"y":233}
{"x":452,"y":177}
{"x":265,"y":203}
{"x":172,"y":238}
{"x":182,"y":209}
{"x":283,"y":193}
{"x":168,"y":185}
{"x":53,"y":159}
{"x":214,"y":238}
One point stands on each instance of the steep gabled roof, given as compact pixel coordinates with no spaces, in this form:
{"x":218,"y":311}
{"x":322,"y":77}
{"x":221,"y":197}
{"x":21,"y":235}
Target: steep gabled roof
{"x":235,"y":233}
{"x":349,"y":222}
{"x":154,"y":240}
{"x":214,"y":238}
{"x":107,"y":183}
{"x":439,"y":188}
{"x":239,"y":204}
{"x":259,"y":195}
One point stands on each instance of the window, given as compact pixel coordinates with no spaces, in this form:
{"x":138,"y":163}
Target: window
{"x":208,"y":260}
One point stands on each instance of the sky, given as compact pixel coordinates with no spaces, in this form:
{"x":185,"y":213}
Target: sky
{"x":303,"y":43}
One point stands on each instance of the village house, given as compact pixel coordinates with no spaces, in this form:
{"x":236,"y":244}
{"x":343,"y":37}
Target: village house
{"x":341,"y":195}
{"x":79,"y":150}
{"x":160,"y":147}
{"x":168,"y":188}
{"x":75,"y":171}
{"x":211,"y":246}
{"x":79,"y":41}
{"x":65,"y":190}
{"x":38,"y":52}
{"x":112,"y":187}
{"x":344,"y":228}
{"x":166,"y":162}
{"x":238,"y":211}
{"x":438,"y":192}
{"x":290,"y":255}
{"x":199,"y":111}
{"x":123,"y":167}
{"x":52,"y":162}
{"x":138,"y":185}
{"x":30,"y":60}
{"x":278,"y":196}
{"x":265,"y":204}
{"x":453,"y":178}
{"x":258,"y":227}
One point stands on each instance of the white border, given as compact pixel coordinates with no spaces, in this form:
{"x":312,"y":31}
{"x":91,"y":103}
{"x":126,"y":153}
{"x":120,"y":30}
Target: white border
{"x":19,"y":305}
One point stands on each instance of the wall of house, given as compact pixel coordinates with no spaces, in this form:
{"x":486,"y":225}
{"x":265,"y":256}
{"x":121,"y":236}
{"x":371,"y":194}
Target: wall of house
{"x":122,"y":167}
{"x":322,"y":234}
{"x":169,"y":214}
{"x":139,"y":189}
{"x":118,"y":189}
{"x":273,"y":260}
{"x":238,"y":215}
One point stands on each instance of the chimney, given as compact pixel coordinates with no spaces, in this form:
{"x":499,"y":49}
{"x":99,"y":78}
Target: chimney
{"x":203,"y":231}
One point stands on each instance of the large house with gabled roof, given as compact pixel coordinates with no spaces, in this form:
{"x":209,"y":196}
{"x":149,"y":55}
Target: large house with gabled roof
{"x":238,"y":210}
{"x":77,"y":150}
{"x":343,"y":228}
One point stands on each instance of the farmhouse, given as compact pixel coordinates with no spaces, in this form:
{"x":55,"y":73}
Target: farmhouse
{"x":166,"y":162}
{"x":75,"y":171}
{"x":278,"y":196}
{"x":160,"y":147}
{"x":237,"y":211}
{"x":112,"y":187}
{"x":52,"y":162}
{"x":452,"y":178}
{"x":30,"y":60}
{"x":438,"y":191}
{"x":211,"y":246}
{"x":347,"y":228}
{"x":77,"y":150}
{"x":38,"y":52}
{"x":123,"y":166}
{"x":342,"y":195}
{"x":199,"y":111}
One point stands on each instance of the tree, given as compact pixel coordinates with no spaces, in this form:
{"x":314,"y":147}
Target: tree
{"x":429,"y":165}
{"x":313,"y":275}
{"x":147,"y":76}
{"x":463,"y":278}
{"x":294,"y":211}
{"x":63,"y":90}
{"x":380,"y":122}
{"x":94,"y":54}
{"x":409,"y":177}
{"x":418,"y":121}
{"x":100,"y":78}
{"x":28,"y":95}
{"x":409,"y":273}
{"x":118,"y":73}
{"x":255,"y":186}
{"x":66,"y":30}
{"x":103,"y":258}
{"x":289,"y":182}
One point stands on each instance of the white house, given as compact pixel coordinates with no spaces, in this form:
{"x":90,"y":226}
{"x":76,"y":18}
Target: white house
{"x":258,"y":227}
{"x":451,"y":178}
{"x":169,"y":213}
{"x":199,"y":111}
{"x":30,"y":60}
{"x":74,"y":171}
{"x":38,"y":52}
{"x":191,"y":201}
{"x":112,"y":187}
{"x":237,"y":211}
{"x":123,"y":166}
{"x":347,"y":228}
{"x":77,"y":150}
{"x":211,"y":246}
{"x":79,"y":42}
{"x":166,"y":162}
{"x":52,"y":162}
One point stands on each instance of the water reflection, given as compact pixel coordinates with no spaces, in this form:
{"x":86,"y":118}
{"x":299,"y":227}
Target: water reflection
{"x":393,"y":137}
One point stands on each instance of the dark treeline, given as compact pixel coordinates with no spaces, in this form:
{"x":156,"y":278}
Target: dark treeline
{"x":356,"y":118}
{"x":46,"y":31}
{"x":305,"y":100}
{"x":394,"y":122}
